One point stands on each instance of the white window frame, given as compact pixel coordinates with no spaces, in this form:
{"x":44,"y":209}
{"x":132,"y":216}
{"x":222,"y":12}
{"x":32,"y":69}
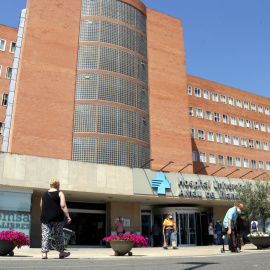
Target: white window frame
{"x":203,"y":157}
{"x":4,"y":47}
{"x":7,"y":77}
{"x":246,"y":105}
{"x":4,"y":99}
{"x":259,"y":145}
{"x":260,"y":108}
{"x":201,"y":134}
{"x":267,"y":165}
{"x":225,"y":118}
{"x":217,"y":117}
{"x":233,"y":121}
{"x":192,"y":133}
{"x":253,"y":107}
{"x":238,"y":162}
{"x":235,"y":140}
{"x":229,"y":161}
{"x":256,"y":125}
{"x":265,"y":146}
{"x":241,"y":122}
{"x":210,"y":136}
{"x":261,"y":165}
{"x":231,"y":101}
{"x":212,"y":158}
{"x":208,"y":115}
{"x":219,"y":138}
{"x":189,"y":90}
{"x":251,"y":143}
{"x":246,"y":163}
{"x":221,"y":160}
{"x":194,"y":156}
{"x":199,"y":113}
{"x":0,"y":70}
{"x":191,"y":112}
{"x":268,"y":128}
{"x":206,"y":94}
{"x":223,"y":99}
{"x":266,"y":111}
{"x":263,"y":129}
{"x":253,"y":164}
{"x":2,"y":126}
{"x":215,"y":97}
{"x":10,"y":48}
{"x":243,"y":142}
{"x":248,"y":124}
{"x":197,"y":92}
{"x":227,"y":139}
{"x":238,"y":103}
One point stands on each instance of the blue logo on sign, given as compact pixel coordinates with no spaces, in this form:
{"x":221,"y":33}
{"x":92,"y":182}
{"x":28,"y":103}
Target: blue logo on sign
{"x":161,"y":183}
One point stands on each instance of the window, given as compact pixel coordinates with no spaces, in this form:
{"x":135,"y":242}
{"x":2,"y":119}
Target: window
{"x":253,"y":164}
{"x":206,"y":94}
{"x":238,"y":103}
{"x":221,"y":160}
{"x":268,"y":128}
{"x":202,"y":157}
{"x":261,"y":165}
{"x":12,"y":47}
{"x":259,"y":145}
{"x":238,"y":162}
{"x":201,"y":135}
{"x":210,"y":136}
{"x":233,"y":120}
{"x":246,"y":163}
{"x":235,"y":141}
{"x":223,"y":99}
{"x":0,"y":70}
{"x":229,"y":161}
{"x":197,"y":92}
{"x":265,"y":146}
{"x":208,"y":115}
{"x":215,"y":97}
{"x":2,"y":125}
{"x":2,"y":44}
{"x":194,"y":156}
{"x":192,"y":132}
{"x":225,"y":119}
{"x":253,"y":107}
{"x":263,"y":129}
{"x":217,"y":117}
{"x":248,"y":123}
{"x":260,"y":109}
{"x":219,"y":138}
{"x":241,"y":122}
{"x":266,"y":110}
{"x":231,"y":101}
{"x":244,"y":142}
{"x":191,"y":113}
{"x":212,"y":158}
{"x":227,"y":139}
{"x":246,"y":105}
{"x":4,"y":100}
{"x":256,"y":125}
{"x":251,"y":143}
{"x":199,"y":113}
{"x":9,"y":72}
{"x":189,"y":90}
{"x":267,"y":166}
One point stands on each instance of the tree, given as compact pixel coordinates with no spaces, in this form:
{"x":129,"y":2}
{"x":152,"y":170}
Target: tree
{"x":256,"y":200}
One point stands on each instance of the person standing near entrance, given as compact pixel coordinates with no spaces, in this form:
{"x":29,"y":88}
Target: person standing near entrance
{"x":170,"y":232}
{"x":229,"y":224}
{"x":119,"y":226}
{"x":211,"y":234}
{"x":53,"y":207}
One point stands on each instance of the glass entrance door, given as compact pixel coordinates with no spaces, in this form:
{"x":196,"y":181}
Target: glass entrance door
{"x":187,"y":229}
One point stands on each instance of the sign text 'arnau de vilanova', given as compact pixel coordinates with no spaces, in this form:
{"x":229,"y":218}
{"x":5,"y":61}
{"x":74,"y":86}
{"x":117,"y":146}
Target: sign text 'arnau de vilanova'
{"x":199,"y":188}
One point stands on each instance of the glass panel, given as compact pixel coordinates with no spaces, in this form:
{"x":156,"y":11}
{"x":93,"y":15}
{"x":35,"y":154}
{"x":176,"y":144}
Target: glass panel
{"x":184,"y":229}
{"x":192,"y":229}
{"x":146,"y":225}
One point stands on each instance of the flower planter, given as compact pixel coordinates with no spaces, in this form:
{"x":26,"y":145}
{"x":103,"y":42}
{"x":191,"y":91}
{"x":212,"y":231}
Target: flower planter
{"x":6,"y":248}
{"x":122,"y":247}
{"x":260,"y":241}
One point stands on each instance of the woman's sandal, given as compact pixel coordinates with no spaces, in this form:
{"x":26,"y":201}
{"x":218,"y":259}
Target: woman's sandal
{"x":66,"y":254}
{"x":44,"y":255}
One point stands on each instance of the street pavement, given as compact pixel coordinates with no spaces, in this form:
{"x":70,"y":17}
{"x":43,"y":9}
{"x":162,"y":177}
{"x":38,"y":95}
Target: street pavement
{"x":188,"y":258}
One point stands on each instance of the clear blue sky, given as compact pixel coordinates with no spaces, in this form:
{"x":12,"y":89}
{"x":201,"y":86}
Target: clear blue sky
{"x":226,"y":41}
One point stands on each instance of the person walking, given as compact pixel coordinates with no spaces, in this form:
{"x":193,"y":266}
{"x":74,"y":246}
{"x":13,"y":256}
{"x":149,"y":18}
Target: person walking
{"x":53,"y":207}
{"x":254,"y":225}
{"x":229,"y":224}
{"x":218,"y":229}
{"x":170,"y":232}
{"x":119,"y":226}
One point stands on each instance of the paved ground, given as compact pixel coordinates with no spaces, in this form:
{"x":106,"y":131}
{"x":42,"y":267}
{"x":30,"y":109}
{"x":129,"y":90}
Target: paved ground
{"x":186,"y":258}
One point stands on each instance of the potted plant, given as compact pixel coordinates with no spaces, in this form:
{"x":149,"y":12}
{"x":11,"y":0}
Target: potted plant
{"x":256,"y":200}
{"x":123,"y":243}
{"x":11,"y":239}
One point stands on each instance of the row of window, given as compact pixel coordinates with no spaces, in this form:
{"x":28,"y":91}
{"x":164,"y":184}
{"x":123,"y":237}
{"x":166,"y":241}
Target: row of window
{"x":4,"y":101}
{"x":230,"y":161}
{"x":227,"y":138}
{"x":12,"y":46}
{"x":8,"y":72}
{"x":226,"y":119}
{"x":231,"y":101}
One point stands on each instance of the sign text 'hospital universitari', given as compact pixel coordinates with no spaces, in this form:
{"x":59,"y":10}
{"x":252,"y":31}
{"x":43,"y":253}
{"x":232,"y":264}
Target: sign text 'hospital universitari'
{"x":199,"y":188}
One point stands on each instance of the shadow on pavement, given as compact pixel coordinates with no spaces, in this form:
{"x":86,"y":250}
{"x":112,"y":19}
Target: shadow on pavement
{"x":197,"y":265}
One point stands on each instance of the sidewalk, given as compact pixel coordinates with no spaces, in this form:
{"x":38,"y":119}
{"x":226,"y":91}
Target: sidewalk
{"x":108,"y":253}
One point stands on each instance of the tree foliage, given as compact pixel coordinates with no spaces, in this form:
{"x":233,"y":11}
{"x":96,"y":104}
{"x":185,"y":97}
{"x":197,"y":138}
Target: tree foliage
{"x":256,"y":200}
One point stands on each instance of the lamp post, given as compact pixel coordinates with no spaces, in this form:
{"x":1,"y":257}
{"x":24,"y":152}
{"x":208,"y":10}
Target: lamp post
{"x":185,"y":167}
{"x":218,"y":170}
{"x":166,"y":165}
{"x":258,"y":175}
{"x":232,"y":172}
{"x":147,"y":162}
{"x":245,"y":174}
{"x":202,"y":169}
